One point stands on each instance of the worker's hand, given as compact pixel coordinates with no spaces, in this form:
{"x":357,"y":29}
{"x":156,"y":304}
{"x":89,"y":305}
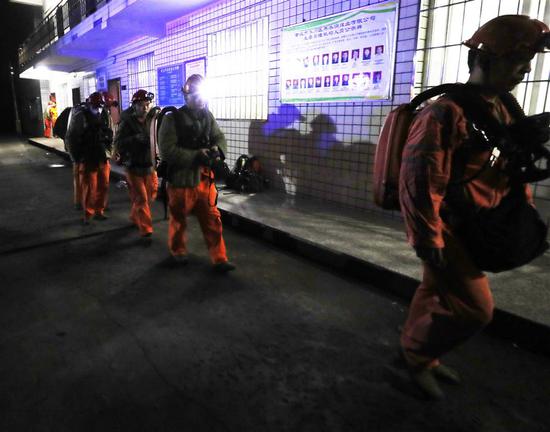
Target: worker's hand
{"x":432,"y":256}
{"x":203,"y":157}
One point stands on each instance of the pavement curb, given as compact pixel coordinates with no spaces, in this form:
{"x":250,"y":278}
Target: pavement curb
{"x":114,"y":171}
{"x":520,"y":331}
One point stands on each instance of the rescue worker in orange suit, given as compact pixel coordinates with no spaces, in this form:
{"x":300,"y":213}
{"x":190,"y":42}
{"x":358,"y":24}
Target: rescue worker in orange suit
{"x":90,"y":142}
{"x":191,"y":187}
{"x":133,"y":145}
{"x":454,"y":301}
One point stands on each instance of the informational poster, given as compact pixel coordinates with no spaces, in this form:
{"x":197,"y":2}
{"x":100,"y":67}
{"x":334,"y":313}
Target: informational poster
{"x":101,"y":79}
{"x":170,"y":82}
{"x":349,"y":56}
{"x":195,"y":66}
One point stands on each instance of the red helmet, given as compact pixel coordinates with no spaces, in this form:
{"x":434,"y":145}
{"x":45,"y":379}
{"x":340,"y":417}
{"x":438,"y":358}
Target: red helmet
{"x":192,"y":84}
{"x":142,"y":95}
{"x":96,"y":99}
{"x":511,"y":35}
{"x":109,"y":100}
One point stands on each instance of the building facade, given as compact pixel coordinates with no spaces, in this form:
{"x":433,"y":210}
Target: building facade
{"x":320,"y":149}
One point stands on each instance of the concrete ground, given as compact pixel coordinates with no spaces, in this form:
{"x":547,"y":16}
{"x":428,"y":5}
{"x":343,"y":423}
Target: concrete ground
{"x":522,"y":296}
{"x":99,"y":331}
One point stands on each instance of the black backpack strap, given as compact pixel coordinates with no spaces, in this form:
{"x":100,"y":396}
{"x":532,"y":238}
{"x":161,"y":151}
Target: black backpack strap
{"x":512,"y":105}
{"x":433,"y":92}
{"x":177,"y":123}
{"x":163,"y":166}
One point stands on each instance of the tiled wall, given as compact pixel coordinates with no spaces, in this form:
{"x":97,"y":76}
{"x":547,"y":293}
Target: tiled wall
{"x":325,"y":150}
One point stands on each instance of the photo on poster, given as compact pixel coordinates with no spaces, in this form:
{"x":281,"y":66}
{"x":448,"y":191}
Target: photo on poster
{"x":367,"y":51}
{"x":345,"y":80}
{"x":345,"y":56}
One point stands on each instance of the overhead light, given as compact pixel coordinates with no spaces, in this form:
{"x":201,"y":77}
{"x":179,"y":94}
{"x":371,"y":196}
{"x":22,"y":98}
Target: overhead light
{"x":43,"y":73}
{"x":29,"y":2}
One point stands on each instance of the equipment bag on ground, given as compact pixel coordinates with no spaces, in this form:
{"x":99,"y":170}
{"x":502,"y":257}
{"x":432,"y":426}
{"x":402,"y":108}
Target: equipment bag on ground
{"x":247,"y":175}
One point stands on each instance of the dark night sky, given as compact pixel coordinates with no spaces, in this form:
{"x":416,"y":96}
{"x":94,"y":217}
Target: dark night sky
{"x":17,"y":24}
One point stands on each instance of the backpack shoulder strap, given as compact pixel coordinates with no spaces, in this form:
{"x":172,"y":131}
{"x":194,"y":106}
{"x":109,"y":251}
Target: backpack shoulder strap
{"x":434,"y":91}
{"x":177,"y":123}
{"x":512,"y":105}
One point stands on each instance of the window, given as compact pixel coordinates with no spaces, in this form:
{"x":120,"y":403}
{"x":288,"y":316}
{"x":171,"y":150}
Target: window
{"x":142,"y":74}
{"x":238,"y":71}
{"x":440,"y":57}
{"x":88,"y":85}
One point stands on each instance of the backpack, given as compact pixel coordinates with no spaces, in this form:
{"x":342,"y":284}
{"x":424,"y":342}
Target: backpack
{"x":62,"y":123}
{"x":392,"y":139}
{"x":497,"y":239}
{"x":247,"y":175}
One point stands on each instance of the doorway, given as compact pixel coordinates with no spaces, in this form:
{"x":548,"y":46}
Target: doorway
{"x":113,"y":87}
{"x":76,"y":96}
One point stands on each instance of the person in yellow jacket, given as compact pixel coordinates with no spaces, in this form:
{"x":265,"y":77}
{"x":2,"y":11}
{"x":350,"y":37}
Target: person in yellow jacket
{"x":50,"y":117}
{"x":189,"y":155}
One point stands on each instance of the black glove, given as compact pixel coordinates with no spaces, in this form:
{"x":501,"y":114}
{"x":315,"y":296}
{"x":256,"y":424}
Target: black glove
{"x":528,"y":135}
{"x":203,"y":157}
{"x":432,"y":256}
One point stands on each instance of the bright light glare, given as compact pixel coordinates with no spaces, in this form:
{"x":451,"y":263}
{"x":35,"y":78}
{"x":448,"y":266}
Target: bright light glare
{"x":56,"y":165}
{"x":204,"y":90}
{"x":44,"y":73}
{"x":29,"y":2}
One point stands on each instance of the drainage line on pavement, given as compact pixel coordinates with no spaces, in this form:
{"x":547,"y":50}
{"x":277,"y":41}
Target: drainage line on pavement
{"x":63,"y":240}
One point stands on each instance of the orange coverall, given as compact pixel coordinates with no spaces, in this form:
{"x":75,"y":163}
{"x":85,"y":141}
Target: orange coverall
{"x":199,"y":200}
{"x":452,"y":304}
{"x":138,"y":154}
{"x":94,"y":186}
{"x":91,"y":159}
{"x":143,"y":191}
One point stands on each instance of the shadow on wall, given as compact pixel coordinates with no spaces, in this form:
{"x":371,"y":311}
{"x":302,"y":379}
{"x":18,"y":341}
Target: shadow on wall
{"x":314,"y":164}
{"x":272,"y":140}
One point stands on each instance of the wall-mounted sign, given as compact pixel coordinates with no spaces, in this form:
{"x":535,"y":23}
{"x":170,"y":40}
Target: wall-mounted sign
{"x":195,"y":66}
{"x":101,"y":79}
{"x":349,"y":56}
{"x":170,"y":81}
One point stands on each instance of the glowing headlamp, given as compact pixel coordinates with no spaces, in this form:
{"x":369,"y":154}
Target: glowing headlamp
{"x":197,"y":91}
